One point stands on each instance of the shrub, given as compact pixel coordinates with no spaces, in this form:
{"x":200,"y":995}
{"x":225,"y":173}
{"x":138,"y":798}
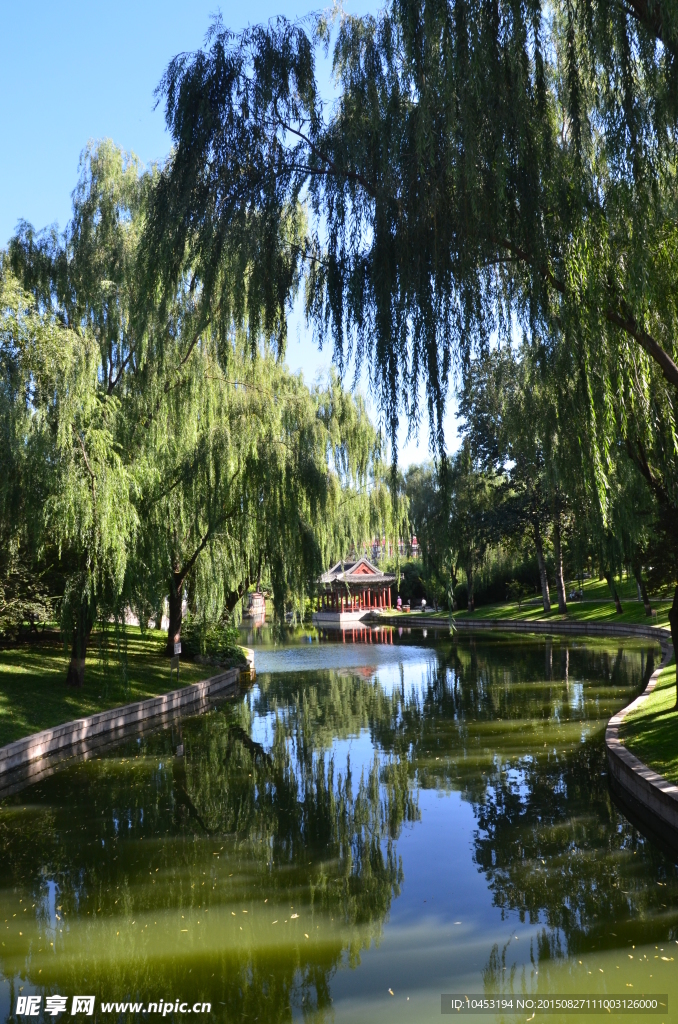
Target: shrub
{"x":214,"y":640}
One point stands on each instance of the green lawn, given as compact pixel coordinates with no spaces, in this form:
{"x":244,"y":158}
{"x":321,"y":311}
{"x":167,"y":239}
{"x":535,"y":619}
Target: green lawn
{"x":651,"y":731}
{"x":34,"y":695}
{"x":587,"y":611}
{"x":598,"y":590}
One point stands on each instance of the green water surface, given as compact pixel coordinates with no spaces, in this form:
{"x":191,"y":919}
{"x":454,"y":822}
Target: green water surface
{"x":369,"y":826}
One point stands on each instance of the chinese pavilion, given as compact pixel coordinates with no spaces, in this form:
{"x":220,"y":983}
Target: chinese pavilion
{"x":351,"y":590}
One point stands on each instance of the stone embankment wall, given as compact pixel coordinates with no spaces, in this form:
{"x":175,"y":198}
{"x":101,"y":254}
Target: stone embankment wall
{"x":628,"y":630}
{"x":649,"y":796}
{"x":32,"y":757}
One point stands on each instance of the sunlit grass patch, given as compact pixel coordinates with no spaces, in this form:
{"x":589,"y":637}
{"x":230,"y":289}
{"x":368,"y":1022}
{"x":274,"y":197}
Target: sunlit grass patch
{"x":588,"y":611}
{"x":34,"y":695}
{"x":650,"y":731}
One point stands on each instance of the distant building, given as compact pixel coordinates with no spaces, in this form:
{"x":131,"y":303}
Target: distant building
{"x":256,"y":609}
{"x":349,"y":591}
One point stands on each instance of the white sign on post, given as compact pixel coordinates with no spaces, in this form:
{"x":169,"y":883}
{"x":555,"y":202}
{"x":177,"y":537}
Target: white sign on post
{"x":177,"y":647}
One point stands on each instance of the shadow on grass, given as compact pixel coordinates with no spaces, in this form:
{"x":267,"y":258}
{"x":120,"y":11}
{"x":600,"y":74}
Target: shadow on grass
{"x":602,"y":611}
{"x":34,"y":695}
{"x":651,"y":733}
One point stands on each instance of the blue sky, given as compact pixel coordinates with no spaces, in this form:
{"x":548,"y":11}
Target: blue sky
{"x":74,"y":71}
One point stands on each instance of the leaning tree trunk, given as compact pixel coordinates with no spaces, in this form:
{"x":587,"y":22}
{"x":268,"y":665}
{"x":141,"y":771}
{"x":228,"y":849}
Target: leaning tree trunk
{"x":560,"y":582}
{"x":610,"y":582}
{"x":83,"y":620}
{"x":673,"y":622}
{"x":642,"y":590}
{"x":470,"y":604}
{"x":545,"y":596}
{"x":175,"y":615}
{"x":236,"y":595}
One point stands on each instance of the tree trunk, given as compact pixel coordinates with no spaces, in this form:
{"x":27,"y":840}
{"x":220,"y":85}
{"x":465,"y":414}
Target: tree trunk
{"x":642,"y":590}
{"x":673,"y":622}
{"x":560,"y":582}
{"x":546,"y":597}
{"x":610,"y":582}
{"x":234,"y":596}
{"x":82,"y":628}
{"x":469,"y":581}
{"x":175,"y":615}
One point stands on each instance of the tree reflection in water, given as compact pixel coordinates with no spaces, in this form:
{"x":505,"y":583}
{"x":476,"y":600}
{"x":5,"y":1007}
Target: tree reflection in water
{"x":148,"y":861}
{"x":133,"y":837}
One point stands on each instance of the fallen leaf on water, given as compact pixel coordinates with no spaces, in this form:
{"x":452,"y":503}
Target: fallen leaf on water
{"x":667,"y":958}
{"x":305,"y":935}
{"x":390,"y":991}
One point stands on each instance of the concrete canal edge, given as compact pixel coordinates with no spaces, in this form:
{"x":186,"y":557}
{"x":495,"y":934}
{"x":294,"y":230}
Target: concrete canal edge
{"x":31,"y":757}
{"x":628,"y":630}
{"x":647,"y":795}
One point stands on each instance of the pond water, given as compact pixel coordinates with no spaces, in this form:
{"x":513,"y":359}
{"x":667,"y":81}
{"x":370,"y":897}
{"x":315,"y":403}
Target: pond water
{"x":371,"y":825}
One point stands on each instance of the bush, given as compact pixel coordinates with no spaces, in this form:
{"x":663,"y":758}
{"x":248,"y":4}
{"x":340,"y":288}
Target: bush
{"x":215,"y":641}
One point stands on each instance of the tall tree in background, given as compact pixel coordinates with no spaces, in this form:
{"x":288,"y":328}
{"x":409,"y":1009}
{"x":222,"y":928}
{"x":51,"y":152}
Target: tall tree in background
{"x":503,"y":404}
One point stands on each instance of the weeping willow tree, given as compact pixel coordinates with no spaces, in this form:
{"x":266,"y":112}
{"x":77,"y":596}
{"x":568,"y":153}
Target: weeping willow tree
{"x":159,"y":452}
{"x":252,"y":473}
{"x":459,"y":179}
{"x":68,"y":514}
{"x":486,"y":165}
{"x":82,"y":283}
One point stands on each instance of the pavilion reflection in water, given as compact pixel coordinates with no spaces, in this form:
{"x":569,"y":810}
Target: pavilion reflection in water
{"x":359,"y":633}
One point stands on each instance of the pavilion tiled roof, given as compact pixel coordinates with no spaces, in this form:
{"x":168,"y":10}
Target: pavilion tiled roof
{"x":361,"y":572}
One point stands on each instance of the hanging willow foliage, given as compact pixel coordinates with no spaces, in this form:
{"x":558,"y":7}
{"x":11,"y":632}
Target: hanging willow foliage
{"x":159,"y":451}
{"x":487,"y":164}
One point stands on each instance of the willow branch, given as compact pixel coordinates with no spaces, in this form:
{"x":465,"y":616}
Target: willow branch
{"x":646,"y":341}
{"x":625,"y":323}
{"x":336,"y":171}
{"x":84,"y":455}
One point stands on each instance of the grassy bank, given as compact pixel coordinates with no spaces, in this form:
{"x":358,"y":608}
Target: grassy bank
{"x":34,"y":695}
{"x":586,"y":611}
{"x":650,"y":732}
